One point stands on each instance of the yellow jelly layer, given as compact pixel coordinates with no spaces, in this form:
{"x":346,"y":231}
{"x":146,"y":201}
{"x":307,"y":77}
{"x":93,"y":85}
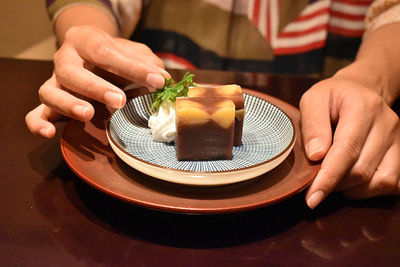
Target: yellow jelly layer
{"x":192,"y":112}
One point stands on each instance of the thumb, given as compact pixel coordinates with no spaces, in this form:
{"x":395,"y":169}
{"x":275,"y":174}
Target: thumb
{"x":315,"y":122}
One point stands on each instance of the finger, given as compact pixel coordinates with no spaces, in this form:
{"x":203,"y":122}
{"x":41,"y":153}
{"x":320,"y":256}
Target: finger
{"x":315,"y":123}
{"x":39,"y":121}
{"x":63,"y":102}
{"x":386,"y":179}
{"x":374,"y":149}
{"x":101,"y":50}
{"x":143,"y":53}
{"x":139,"y":50}
{"x":347,"y":144}
{"x":72,"y":75}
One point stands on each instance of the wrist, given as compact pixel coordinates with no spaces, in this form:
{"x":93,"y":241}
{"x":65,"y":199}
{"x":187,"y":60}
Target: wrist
{"x":372,"y":75}
{"x":84,"y":15}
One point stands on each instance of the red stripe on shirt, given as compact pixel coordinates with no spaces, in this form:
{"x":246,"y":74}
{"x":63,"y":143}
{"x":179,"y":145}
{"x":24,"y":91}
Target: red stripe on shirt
{"x":312,"y":15}
{"x":177,"y":59}
{"x":256,"y":12}
{"x":347,"y":16}
{"x":299,"y":49}
{"x":268,"y":21}
{"x":354,"y":2}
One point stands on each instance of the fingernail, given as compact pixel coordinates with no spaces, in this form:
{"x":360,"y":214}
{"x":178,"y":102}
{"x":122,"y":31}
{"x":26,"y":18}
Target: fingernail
{"x":113,"y":99}
{"x":164,"y":73}
{"x":315,"y":199}
{"x":155,"y":80}
{"x":314,"y":149}
{"x":80,"y":110}
{"x":44,"y":132}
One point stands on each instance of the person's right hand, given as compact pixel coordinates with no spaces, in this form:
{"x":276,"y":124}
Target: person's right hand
{"x":73,"y":79}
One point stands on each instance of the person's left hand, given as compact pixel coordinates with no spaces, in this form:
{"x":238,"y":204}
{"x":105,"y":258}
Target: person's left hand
{"x":356,"y":134}
{"x":87,"y":57}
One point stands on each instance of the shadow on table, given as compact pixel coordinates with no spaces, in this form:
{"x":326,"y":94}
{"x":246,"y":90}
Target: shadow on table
{"x":178,"y":230}
{"x":188,"y":230}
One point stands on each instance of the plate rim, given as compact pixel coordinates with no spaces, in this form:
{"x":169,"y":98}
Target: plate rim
{"x":288,"y":147}
{"x":186,"y":210}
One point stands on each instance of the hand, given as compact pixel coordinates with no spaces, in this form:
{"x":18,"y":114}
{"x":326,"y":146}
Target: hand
{"x":74,"y":81}
{"x":362,"y":158}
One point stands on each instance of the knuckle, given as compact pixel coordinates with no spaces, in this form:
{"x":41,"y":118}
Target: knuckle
{"x":375,"y":101}
{"x":393,"y":120}
{"x":304,"y":98}
{"x":156,"y":62}
{"x":63,"y":70}
{"x":101,"y":52}
{"x":308,"y":98}
{"x":161,"y":63}
{"x":144,"y":48}
{"x":363,"y":173}
{"x":60,"y":55}
{"x":73,"y":32}
{"x":77,"y":32}
{"x":133,"y":68}
{"x":57,"y":55}
{"x":89,"y":88}
{"x":42,"y":93}
{"x":386,"y":182}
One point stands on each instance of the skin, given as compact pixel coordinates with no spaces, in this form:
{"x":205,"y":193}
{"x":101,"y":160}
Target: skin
{"x":88,"y":39}
{"x":359,"y":158}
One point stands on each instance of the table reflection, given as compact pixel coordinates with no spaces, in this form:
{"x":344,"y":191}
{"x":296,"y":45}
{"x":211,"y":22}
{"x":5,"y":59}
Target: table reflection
{"x":330,"y":232}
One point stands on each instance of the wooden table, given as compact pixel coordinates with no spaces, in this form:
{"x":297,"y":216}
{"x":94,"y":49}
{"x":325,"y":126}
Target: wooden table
{"x":49,"y":217}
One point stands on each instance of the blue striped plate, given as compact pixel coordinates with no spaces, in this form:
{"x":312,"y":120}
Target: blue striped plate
{"x":268,"y":138}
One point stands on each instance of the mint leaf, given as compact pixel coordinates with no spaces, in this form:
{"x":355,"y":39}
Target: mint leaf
{"x":172,"y":90}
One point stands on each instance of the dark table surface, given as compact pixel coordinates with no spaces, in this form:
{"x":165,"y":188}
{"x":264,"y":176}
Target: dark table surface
{"x":49,"y":217}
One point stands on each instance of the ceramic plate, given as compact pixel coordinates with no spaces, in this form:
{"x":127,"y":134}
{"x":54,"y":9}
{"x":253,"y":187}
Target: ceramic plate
{"x":268,"y":138}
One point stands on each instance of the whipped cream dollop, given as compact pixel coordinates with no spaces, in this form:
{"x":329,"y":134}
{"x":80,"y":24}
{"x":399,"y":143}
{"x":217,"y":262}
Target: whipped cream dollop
{"x":162,"y":123}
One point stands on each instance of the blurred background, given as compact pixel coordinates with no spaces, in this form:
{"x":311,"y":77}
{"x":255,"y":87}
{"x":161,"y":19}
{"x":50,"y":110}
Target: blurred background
{"x":25,"y":30}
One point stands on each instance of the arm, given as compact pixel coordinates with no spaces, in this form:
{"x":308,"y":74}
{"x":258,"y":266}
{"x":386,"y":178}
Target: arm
{"x":80,"y":15}
{"x":360,"y":157}
{"x":377,"y":64}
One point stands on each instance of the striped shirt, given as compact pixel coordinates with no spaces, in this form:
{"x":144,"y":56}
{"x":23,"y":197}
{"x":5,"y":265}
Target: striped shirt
{"x":304,"y":37}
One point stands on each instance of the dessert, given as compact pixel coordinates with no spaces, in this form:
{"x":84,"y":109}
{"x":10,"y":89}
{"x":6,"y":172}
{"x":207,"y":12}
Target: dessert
{"x":205,"y":128}
{"x":232,"y":92}
{"x":204,"y":122}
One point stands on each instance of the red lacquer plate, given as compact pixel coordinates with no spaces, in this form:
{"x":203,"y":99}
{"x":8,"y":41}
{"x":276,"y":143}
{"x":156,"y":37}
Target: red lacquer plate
{"x":86,"y":150}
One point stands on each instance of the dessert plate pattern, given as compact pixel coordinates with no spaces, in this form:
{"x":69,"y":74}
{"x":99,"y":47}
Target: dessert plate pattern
{"x":268,"y":137}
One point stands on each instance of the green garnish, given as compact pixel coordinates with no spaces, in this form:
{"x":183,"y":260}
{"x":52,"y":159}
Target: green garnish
{"x":172,"y":90}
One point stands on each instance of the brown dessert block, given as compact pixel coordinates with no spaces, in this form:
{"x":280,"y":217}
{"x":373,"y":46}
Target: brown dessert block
{"x":232,"y":92}
{"x":205,"y":128}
